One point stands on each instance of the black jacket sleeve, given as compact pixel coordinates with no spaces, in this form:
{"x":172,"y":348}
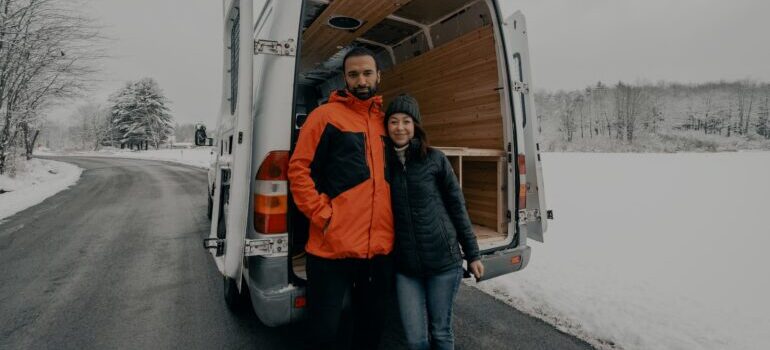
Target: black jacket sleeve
{"x":455,"y":206}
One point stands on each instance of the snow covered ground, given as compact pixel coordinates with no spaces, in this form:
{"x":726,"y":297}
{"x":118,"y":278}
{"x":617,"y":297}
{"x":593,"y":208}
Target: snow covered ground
{"x":198,"y":156}
{"x":652,"y":251}
{"x":39,"y":179}
{"x":648,"y":251}
{"x":35,"y":181}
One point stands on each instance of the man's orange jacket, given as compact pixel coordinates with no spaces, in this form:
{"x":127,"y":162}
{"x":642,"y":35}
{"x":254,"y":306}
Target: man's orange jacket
{"x":337,"y":174}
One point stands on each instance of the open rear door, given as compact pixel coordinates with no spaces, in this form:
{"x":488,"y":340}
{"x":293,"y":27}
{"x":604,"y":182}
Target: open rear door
{"x":534,"y":216}
{"x":233,"y":187}
{"x":523,"y":150}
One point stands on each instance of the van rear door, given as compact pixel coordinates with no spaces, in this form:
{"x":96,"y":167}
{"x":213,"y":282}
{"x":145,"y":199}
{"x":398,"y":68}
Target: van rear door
{"x":525,"y":183}
{"x":533,"y":215}
{"x":231,"y":204}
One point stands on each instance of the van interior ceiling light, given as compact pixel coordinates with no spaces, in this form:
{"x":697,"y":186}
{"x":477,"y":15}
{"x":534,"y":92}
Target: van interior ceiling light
{"x":344,"y":23}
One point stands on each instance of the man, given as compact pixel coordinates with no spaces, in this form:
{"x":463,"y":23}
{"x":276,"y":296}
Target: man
{"x":337,"y":176}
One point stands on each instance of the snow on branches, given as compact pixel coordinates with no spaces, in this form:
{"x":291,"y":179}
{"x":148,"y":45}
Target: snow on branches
{"x":140,"y":115}
{"x":46,"y":53}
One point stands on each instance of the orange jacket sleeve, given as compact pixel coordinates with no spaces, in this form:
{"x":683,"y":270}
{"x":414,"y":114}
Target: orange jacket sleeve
{"x":316,"y":206}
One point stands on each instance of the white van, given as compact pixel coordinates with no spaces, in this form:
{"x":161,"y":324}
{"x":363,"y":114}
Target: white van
{"x":467,"y":67}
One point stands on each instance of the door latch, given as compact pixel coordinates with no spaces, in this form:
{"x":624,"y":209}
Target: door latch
{"x":528,"y":215}
{"x":522,"y":87}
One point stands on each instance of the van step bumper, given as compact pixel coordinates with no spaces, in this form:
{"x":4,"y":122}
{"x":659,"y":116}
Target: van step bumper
{"x":505,"y":262}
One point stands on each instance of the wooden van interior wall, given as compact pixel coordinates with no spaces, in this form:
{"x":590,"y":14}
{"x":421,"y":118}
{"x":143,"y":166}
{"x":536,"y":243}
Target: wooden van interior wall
{"x":456,"y":86}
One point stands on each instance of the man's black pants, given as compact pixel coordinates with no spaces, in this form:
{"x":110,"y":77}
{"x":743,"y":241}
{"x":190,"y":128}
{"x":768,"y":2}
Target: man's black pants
{"x":346,"y":301}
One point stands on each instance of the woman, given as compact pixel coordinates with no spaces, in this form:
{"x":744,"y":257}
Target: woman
{"x":431,"y":224}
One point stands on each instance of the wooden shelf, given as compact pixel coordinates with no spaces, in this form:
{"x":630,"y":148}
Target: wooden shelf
{"x":484,"y":193}
{"x":470,"y":152}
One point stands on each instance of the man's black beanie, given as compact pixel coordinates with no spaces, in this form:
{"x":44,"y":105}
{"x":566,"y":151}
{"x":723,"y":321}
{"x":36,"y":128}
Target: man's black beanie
{"x":404,"y":104}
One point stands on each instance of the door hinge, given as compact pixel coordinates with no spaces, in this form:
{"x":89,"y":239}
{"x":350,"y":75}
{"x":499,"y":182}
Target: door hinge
{"x":528,"y":215}
{"x":215,"y":243}
{"x":522,"y":87}
{"x":275,"y":47}
{"x":278,"y":246}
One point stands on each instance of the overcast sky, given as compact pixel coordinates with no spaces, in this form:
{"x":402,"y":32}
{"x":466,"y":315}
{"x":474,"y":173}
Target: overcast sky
{"x":573,"y":43}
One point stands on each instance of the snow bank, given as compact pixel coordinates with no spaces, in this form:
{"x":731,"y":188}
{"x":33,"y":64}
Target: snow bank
{"x":198,"y":157}
{"x":652,"y":251}
{"x":36,"y":180}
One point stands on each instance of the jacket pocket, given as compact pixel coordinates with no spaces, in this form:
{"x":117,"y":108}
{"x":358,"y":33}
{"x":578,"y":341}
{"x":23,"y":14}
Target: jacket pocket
{"x":451,"y":245}
{"x":345,"y":158}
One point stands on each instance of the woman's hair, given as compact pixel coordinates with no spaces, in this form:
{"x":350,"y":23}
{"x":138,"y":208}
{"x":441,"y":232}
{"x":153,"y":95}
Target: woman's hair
{"x":420,"y":134}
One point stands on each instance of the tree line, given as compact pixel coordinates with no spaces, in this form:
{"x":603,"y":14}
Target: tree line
{"x":663,"y":116}
{"x":135,"y":117}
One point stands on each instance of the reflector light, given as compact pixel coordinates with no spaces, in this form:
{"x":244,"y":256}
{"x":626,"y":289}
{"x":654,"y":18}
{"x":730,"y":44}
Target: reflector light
{"x":516,"y":260}
{"x":300,"y":302}
{"x":270,"y":223}
{"x":270,"y":204}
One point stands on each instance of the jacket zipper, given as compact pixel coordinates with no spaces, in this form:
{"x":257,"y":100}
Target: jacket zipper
{"x":411,"y":217}
{"x":368,"y":147}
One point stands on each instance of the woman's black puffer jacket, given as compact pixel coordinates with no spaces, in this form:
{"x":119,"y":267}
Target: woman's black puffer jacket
{"x":429,"y":213}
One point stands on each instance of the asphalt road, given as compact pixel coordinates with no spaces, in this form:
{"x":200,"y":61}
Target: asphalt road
{"x":116,"y":262}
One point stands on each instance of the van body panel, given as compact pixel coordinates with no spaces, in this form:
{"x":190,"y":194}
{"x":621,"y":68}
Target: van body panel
{"x":242,"y":149}
{"x":272,"y":89}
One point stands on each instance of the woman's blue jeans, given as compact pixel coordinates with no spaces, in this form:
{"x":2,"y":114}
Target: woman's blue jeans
{"x":425,"y":304}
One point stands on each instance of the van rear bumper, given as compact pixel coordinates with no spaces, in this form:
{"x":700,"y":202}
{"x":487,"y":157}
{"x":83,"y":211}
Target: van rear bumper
{"x":505,"y":262}
{"x":277,"y":307}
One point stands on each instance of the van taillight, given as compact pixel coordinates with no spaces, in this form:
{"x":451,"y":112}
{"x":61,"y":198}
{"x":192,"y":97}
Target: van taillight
{"x":522,"y":181}
{"x":271,"y":193}
{"x":300,"y":302}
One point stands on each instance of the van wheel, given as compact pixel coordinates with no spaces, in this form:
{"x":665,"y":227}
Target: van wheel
{"x":234,"y":299}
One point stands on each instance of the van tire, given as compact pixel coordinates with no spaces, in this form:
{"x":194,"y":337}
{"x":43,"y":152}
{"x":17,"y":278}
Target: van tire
{"x":234,"y":299}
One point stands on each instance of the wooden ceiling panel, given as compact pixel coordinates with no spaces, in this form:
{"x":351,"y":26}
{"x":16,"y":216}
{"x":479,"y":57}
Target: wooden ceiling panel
{"x":320,"y":41}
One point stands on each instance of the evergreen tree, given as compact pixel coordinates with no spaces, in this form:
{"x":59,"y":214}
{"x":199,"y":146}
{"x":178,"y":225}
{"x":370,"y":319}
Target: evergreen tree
{"x":140,"y":115}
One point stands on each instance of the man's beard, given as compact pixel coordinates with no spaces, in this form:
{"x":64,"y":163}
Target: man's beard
{"x":365,"y":93}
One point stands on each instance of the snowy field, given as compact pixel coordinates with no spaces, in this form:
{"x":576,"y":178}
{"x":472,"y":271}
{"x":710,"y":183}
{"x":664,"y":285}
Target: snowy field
{"x":35,"y":181}
{"x":652,"y":251}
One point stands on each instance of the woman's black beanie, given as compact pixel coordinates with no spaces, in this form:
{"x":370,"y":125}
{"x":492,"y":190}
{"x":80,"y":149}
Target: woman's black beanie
{"x":404,"y":104}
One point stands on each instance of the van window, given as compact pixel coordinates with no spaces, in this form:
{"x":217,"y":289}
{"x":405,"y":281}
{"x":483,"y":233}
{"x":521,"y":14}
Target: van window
{"x":234,"y":52}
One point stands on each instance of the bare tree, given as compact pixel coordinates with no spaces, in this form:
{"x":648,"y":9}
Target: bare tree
{"x":46,"y":54}
{"x":91,"y":127}
{"x":628,"y":106}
